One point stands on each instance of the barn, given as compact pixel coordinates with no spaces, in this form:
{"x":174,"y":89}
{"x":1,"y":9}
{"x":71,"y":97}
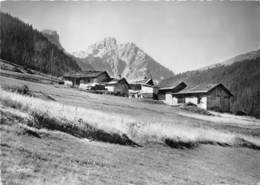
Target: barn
{"x":86,"y":77}
{"x":142,"y":89}
{"x":118,"y":87}
{"x":207,"y":96}
{"x":165,"y":92}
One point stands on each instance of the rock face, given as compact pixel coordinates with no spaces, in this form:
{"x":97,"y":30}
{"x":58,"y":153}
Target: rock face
{"x":125,"y":60}
{"x":53,"y":37}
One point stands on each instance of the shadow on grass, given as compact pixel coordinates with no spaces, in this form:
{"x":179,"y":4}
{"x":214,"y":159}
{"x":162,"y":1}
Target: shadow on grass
{"x":180,"y":144}
{"x":239,"y":142}
{"x":83,"y":131}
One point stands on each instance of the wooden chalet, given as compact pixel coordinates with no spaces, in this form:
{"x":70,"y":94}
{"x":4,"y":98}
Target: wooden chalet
{"x":118,"y":87}
{"x":86,"y":77}
{"x":142,"y":89}
{"x":207,"y":96}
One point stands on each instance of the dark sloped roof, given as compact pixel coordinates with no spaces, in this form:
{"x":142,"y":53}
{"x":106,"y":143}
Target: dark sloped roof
{"x":114,"y":81}
{"x":148,"y":81}
{"x":202,"y":89}
{"x":173,"y":86}
{"x":85,"y":74}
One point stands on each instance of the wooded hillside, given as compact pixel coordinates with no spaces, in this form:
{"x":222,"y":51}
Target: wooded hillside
{"x":242,"y":78}
{"x":23,"y":45}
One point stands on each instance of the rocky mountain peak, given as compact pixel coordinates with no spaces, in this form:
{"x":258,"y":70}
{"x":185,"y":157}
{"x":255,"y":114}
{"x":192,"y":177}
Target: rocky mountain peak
{"x":110,"y":42}
{"x":52,"y":33}
{"x":107,"y":44}
{"x":53,"y":37}
{"x":127,"y":60}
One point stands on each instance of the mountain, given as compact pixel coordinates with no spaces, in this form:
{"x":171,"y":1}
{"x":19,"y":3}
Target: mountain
{"x":240,"y":74}
{"x":126,"y":60}
{"x":84,"y":66}
{"x":53,"y":37}
{"x":26,"y":46}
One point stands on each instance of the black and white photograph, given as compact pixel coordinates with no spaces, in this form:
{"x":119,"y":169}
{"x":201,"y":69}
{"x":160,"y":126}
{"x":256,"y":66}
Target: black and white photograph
{"x":129,"y":92}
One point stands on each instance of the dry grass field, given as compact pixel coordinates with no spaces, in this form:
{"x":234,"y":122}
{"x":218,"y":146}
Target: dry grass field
{"x":68,"y":136}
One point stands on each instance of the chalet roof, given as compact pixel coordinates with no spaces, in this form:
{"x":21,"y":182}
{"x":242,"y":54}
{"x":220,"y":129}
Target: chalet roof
{"x":146,"y":82}
{"x":172,"y":86}
{"x":85,"y":74}
{"x":202,"y":89}
{"x":114,"y":81}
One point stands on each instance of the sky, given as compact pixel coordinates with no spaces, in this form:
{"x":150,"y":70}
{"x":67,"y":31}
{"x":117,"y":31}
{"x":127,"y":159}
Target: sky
{"x":180,"y":35}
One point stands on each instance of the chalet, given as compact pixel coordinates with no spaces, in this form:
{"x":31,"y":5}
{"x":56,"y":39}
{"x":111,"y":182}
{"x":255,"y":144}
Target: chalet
{"x":142,"y":89}
{"x":207,"y":96}
{"x":118,"y":87}
{"x":165,"y":92}
{"x":86,"y":77}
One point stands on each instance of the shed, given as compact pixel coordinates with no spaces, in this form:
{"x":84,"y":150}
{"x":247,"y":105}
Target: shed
{"x":207,"y":96}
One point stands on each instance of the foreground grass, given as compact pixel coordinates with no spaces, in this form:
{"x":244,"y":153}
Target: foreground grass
{"x":116,"y":128}
{"x":43,"y":157}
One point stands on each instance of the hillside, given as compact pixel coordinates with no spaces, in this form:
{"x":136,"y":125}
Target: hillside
{"x":239,"y":58}
{"x":53,"y":37}
{"x":241,"y":74}
{"x":126,"y":60}
{"x":25,"y":46}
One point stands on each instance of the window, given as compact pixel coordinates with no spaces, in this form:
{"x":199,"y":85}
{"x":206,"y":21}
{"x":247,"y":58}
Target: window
{"x":180,"y":100}
{"x":199,"y":100}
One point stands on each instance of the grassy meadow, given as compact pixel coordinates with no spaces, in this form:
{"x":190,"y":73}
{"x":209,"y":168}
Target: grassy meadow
{"x":51,"y":130}
{"x":82,"y":122}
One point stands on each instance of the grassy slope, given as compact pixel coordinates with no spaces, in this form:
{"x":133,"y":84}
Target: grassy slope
{"x":130,"y":107}
{"x":49,"y":157}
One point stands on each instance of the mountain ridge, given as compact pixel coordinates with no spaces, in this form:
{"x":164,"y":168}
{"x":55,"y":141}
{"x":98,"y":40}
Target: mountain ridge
{"x":244,"y":56}
{"x":125,"y":60}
